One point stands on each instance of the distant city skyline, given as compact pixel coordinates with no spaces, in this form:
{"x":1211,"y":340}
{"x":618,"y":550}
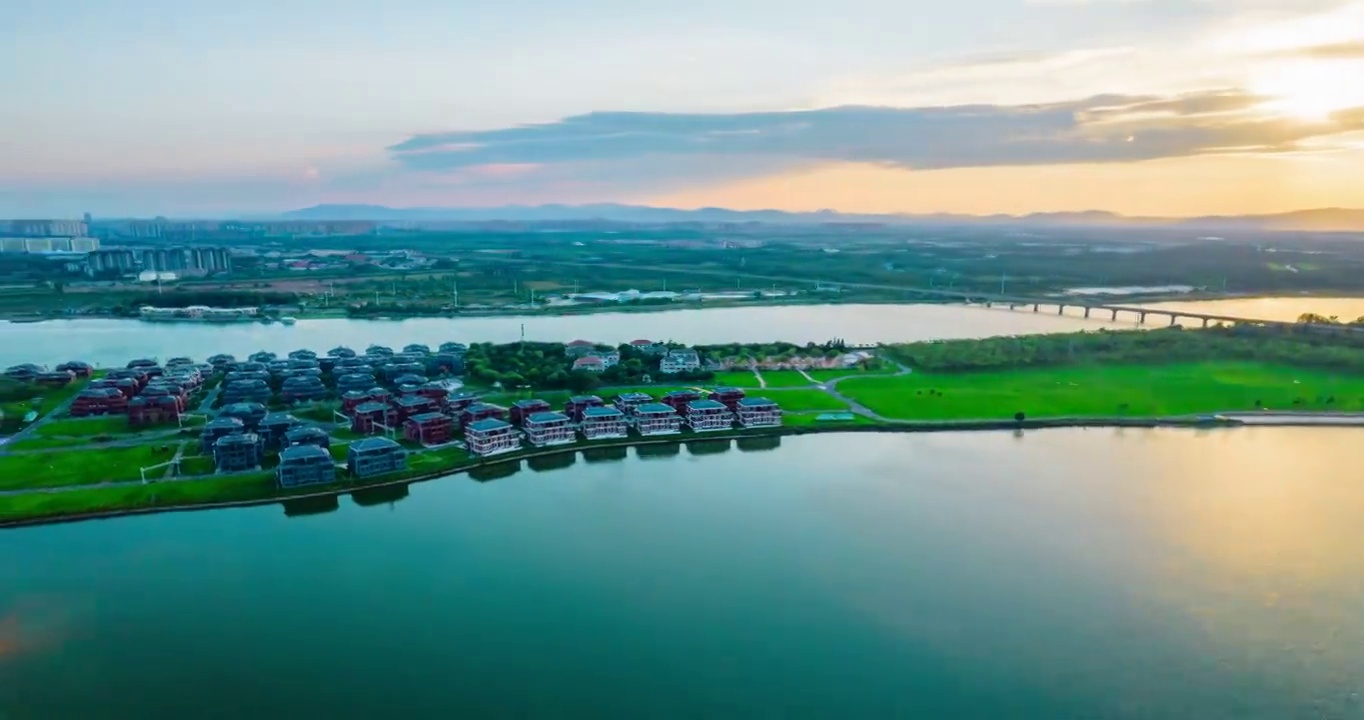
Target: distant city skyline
{"x":189,"y":108}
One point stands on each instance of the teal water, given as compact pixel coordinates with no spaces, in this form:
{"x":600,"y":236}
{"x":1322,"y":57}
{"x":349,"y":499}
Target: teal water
{"x":1058,"y":574}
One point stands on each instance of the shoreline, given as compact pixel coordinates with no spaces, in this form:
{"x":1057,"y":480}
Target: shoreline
{"x":1214,"y":421}
{"x":20,"y":317}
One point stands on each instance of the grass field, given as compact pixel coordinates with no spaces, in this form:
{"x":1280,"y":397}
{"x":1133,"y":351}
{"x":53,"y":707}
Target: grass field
{"x":811,"y":419}
{"x":736,"y":378}
{"x":131,"y":497}
{"x":824,"y":376}
{"x":1103,"y":391}
{"x":784,"y":379}
{"x":48,"y":400}
{"x":803,"y":400}
{"x":83,"y":467}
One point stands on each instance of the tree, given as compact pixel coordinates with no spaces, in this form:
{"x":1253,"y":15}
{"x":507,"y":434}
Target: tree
{"x":1020,"y":416}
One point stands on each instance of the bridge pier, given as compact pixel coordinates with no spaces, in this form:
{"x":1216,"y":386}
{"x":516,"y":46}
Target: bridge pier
{"x":1173,"y":318}
{"x":1036,"y":306}
{"x":1141,"y":318}
{"x":1087,"y":309}
{"x":1205,"y":322}
{"x":1061,"y":310}
{"x":1115,"y":315}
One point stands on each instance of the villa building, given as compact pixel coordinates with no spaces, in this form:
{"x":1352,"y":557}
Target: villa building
{"x":250,"y":413}
{"x":548,"y":428}
{"x":491,"y":436}
{"x":649,"y":347}
{"x":217,"y":429}
{"x":589,"y":363}
{"x":458,"y":402}
{"x":305,"y":465}
{"x":153,"y":410}
{"x":77,"y":368}
{"x":576,"y":405}
{"x":627,"y":402}
{"x":308,"y":436}
{"x":374,"y":456}
{"x":709,"y":416}
{"x":728,"y":396}
{"x":522,"y":409}
{"x":430,"y":428}
{"x":413,"y":405}
{"x":579,"y":348}
{"x":758,"y":412}
{"x":237,"y":453}
{"x":99,"y":401}
{"x":657,"y":419}
{"x":602,"y":422}
{"x":481,"y":411}
{"x":682,"y":360}
{"x":679,"y":399}
{"x":371,"y":417}
{"x":275,"y":426}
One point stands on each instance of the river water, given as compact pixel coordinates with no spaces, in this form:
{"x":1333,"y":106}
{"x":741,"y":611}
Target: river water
{"x":1212,"y":574}
{"x":114,"y":342}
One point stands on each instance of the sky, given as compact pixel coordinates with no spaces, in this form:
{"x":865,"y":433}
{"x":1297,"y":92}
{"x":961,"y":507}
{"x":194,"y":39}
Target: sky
{"x":192,"y":108}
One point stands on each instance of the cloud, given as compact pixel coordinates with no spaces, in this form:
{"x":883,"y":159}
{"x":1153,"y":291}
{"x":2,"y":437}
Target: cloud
{"x":1100,"y":129}
{"x":1351,"y":50}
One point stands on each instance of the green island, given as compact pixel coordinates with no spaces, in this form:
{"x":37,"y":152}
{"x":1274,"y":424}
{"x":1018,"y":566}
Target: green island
{"x":63,"y":467}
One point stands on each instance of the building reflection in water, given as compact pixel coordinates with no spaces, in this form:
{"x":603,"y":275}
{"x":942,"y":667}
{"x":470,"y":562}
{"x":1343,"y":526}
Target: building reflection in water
{"x":557,"y":461}
{"x":385,"y":495}
{"x":708,"y":447}
{"x":301,"y":507}
{"x":495,"y":471}
{"x":759,"y":443}
{"x":612,"y":453}
{"x":659,"y":451}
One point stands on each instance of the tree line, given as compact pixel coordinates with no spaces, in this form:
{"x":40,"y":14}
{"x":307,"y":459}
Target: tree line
{"x":1342,"y":351}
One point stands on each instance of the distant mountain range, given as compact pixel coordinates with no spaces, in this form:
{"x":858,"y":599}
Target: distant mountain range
{"x":1320,"y":220}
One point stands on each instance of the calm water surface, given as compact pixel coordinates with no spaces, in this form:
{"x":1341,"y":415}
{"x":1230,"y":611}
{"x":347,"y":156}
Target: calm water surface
{"x":1058,"y":574}
{"x":114,"y":342}
{"x":117,"y":341}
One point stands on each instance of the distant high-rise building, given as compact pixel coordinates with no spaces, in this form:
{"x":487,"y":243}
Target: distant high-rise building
{"x":187,"y":259}
{"x":48,"y":228}
{"x":117,"y":260}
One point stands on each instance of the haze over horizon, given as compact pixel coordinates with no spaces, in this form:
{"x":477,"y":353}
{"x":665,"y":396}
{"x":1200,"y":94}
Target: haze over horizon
{"x":1162,"y":108}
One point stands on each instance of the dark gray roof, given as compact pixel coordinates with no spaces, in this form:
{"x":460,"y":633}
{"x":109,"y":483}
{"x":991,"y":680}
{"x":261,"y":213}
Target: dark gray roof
{"x":488,"y":424}
{"x":655,"y":408}
{"x":371,"y":444}
{"x":602,"y":412}
{"x":705,"y":405}
{"x":545,"y":417}
{"x":299,"y":452}
{"x":428,"y":417}
{"x":756,"y":402}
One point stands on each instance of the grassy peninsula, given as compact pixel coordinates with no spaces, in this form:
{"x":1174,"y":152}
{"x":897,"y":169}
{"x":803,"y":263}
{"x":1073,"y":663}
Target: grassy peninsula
{"x":73,"y":467}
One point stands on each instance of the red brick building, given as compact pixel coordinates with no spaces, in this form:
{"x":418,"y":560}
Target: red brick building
{"x":430,"y":428}
{"x":153,"y":410}
{"x":99,"y":401}
{"x":369,"y":417}
{"x":481,"y":411}
{"x":575,"y":406}
{"x":728,"y":396}
{"x":679,"y":399}
{"x":522,"y":409}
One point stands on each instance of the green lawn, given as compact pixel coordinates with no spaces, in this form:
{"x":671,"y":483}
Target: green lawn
{"x":90,"y":426}
{"x":784,"y":379}
{"x":810,"y":419}
{"x":824,"y":376}
{"x":80,"y":467}
{"x":802,"y":400}
{"x":1100,"y":391}
{"x":225,"y":489}
{"x":736,"y":378}
{"x":48,"y":400}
